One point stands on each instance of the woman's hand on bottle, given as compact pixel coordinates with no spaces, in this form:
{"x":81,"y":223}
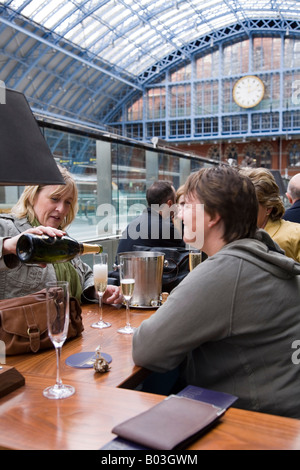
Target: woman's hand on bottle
{"x":42,"y":230}
{"x":112,"y":295}
{"x":10,"y":244}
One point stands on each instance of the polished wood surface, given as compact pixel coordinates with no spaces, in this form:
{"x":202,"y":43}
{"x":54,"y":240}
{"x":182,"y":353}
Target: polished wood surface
{"x":28,"y":420}
{"x":118,"y":346}
{"x":84,"y":421}
{"x":246,"y":430}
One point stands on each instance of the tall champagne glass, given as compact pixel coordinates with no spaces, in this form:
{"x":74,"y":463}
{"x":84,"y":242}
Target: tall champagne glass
{"x":100,"y":270}
{"x":127,"y":281}
{"x":58,"y":324}
{"x":195,"y":258}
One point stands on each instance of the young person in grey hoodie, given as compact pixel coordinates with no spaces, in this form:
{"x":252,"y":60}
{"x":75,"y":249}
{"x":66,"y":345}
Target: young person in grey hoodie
{"x":232,"y":324}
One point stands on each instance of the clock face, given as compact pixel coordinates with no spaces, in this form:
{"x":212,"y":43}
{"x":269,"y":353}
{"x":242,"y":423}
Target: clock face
{"x":248,"y":91}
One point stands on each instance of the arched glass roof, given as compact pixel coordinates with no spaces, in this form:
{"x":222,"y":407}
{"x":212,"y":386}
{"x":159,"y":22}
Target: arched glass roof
{"x":136,"y":34}
{"x":120,"y":42}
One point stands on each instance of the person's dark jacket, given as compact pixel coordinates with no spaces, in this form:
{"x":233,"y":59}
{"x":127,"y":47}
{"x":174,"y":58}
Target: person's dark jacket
{"x":150,"y":229}
{"x":293,"y":213}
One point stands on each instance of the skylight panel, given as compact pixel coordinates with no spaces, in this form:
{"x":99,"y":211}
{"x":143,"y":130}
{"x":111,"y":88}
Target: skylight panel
{"x":64,"y":27}
{"x":135,"y":5}
{"x":87,"y":27}
{"x":202,"y":4}
{"x":135,"y":35}
{"x":42,"y":15}
{"x":112,"y":15}
{"x":73,"y":32}
{"x":93,"y":38}
{"x":15,"y":4}
{"x":58,"y":15}
{"x":29,"y":9}
{"x":224,"y":20}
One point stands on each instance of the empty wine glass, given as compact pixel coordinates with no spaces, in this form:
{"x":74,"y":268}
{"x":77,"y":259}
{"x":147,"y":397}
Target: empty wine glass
{"x":100,"y":280}
{"x":127,"y":282}
{"x":58,"y":324}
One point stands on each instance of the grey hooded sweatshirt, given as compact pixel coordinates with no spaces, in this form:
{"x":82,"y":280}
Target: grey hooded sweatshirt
{"x":231,"y":326}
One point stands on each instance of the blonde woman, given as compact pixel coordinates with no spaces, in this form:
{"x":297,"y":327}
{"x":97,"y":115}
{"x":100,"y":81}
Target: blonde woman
{"x":271,"y":210}
{"x":44,"y":210}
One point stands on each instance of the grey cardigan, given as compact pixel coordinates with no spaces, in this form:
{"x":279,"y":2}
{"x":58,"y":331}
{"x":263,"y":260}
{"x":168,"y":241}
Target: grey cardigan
{"x":18,"y":279}
{"x":230,"y":326}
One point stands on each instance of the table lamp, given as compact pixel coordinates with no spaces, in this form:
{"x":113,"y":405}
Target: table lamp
{"x":25,"y":157}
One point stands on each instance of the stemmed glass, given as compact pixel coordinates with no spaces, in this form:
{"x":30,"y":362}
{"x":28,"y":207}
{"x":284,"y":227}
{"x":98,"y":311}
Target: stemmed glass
{"x":195,"y":258}
{"x":58,"y":324}
{"x":127,"y":281}
{"x":100,"y":270}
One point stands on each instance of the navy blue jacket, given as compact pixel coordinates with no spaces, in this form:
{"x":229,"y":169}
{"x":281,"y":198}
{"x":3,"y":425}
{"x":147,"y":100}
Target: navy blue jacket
{"x":150,"y":229}
{"x":293,"y":213}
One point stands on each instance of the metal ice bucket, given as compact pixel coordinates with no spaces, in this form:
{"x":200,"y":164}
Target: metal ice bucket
{"x":148,"y":267}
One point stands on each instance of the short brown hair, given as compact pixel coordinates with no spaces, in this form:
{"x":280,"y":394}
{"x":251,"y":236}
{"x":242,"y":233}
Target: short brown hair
{"x":224,"y":191}
{"x":160,"y":192}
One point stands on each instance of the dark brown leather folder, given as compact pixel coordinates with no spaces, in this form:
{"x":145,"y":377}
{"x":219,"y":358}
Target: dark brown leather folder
{"x":10,"y":380}
{"x":170,"y":424}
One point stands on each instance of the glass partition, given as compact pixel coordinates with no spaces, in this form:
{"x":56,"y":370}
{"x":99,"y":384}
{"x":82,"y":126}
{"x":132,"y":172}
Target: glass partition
{"x":112,"y":178}
{"x":128,"y":183}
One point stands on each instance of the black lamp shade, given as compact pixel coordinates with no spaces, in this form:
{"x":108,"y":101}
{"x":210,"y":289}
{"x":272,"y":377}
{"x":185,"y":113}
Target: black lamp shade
{"x":25,"y":157}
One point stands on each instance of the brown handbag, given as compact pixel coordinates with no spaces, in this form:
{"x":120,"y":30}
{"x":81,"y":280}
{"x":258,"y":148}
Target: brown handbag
{"x":23,"y":323}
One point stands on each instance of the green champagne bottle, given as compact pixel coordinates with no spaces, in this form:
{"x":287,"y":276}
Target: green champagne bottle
{"x":33,"y":248}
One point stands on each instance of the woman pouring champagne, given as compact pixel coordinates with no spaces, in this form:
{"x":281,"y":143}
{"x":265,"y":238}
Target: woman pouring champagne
{"x":44,"y":210}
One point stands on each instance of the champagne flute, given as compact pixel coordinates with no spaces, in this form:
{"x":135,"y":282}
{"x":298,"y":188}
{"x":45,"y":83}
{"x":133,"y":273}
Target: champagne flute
{"x":195,"y":258}
{"x":127,"y":281}
{"x":100,"y":270}
{"x":58,"y":323}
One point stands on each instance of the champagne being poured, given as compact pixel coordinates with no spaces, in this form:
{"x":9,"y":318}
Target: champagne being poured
{"x":44,"y":249}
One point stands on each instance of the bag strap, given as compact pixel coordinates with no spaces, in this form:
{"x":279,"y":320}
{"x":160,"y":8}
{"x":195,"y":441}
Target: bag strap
{"x":176,"y":264}
{"x":33,"y":330}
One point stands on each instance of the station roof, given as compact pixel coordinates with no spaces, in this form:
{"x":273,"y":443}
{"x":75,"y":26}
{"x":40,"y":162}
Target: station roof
{"x":82,"y":59}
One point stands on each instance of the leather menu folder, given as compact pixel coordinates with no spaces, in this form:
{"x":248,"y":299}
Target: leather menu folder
{"x":169,"y":425}
{"x":10,"y":380}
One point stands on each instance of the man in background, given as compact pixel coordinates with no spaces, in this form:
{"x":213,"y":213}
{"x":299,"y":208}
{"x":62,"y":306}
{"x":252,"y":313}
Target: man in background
{"x":293,"y":194}
{"x":154,"y":227}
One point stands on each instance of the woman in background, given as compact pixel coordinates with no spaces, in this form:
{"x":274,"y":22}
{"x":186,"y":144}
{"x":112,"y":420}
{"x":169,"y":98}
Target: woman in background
{"x":271,"y":210}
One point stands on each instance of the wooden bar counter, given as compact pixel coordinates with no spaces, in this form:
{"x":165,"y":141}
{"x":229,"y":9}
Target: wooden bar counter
{"x":29,"y":421}
{"x":118,"y":346}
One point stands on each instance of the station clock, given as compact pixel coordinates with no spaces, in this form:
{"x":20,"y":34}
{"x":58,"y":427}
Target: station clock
{"x":248,"y":91}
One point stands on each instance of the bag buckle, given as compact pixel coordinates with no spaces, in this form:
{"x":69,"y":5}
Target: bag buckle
{"x":33,"y":330}
{"x":34,"y":338}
